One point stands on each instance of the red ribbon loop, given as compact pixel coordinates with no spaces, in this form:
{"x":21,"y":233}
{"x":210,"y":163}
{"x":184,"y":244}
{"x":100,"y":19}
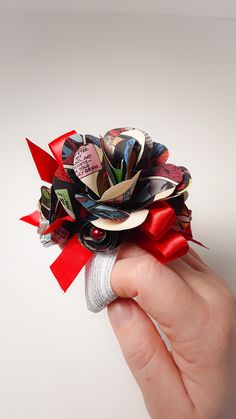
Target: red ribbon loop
{"x":157,"y":236}
{"x":169,"y":247}
{"x":159,"y":220}
{"x":33,"y":218}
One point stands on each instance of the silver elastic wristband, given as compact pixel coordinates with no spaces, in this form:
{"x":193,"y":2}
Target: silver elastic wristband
{"x":98,"y":289}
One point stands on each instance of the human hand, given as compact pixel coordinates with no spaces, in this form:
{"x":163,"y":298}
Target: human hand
{"x":196,"y":310}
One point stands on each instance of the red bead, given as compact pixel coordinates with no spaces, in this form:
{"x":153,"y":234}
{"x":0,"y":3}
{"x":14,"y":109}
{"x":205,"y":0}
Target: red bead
{"x":97,"y":233}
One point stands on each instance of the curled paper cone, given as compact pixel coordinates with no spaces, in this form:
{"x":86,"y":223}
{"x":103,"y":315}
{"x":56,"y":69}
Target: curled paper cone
{"x":98,"y":289}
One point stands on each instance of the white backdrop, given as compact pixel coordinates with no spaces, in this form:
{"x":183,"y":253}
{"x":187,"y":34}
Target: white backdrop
{"x":173,"y":77}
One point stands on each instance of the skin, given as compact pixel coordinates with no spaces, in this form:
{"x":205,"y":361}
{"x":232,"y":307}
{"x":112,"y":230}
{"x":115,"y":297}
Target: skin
{"x":196,"y":311}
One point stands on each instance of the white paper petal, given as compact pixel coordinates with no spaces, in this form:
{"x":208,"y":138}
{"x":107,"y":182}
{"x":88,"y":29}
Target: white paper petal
{"x":120,"y":189}
{"x":135,"y":219}
{"x":139,"y":136}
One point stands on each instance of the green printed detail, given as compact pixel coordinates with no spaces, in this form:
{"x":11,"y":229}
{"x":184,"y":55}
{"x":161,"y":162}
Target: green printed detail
{"x":64,"y":198}
{"x":118,"y":173}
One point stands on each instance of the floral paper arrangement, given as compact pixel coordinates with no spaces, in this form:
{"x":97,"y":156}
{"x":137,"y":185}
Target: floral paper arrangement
{"x":103,"y":190}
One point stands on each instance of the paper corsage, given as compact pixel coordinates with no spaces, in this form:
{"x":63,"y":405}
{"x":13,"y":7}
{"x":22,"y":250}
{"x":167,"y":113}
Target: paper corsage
{"x":102,"y":191}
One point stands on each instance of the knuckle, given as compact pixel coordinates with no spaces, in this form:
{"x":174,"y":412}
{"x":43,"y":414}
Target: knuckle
{"x":225,"y":303}
{"x":140,"y":356}
{"x":145,"y":267}
{"x":230,"y":299}
{"x":226,"y":313}
{"x":230,"y":311}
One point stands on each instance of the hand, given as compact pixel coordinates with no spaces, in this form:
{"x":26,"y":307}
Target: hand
{"x":197,"y":312}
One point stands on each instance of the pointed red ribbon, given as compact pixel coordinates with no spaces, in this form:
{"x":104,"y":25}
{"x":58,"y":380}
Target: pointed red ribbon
{"x":70,"y":262}
{"x":44,"y":162}
{"x":32,"y":219}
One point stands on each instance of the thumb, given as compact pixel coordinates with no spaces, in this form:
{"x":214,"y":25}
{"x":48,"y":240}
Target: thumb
{"x":149,"y":360}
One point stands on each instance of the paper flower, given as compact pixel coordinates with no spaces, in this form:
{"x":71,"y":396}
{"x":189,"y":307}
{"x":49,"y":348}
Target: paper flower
{"x":104,"y":189}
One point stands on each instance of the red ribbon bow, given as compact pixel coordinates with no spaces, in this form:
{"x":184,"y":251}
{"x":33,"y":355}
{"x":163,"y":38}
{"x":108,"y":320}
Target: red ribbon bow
{"x":157,"y":235}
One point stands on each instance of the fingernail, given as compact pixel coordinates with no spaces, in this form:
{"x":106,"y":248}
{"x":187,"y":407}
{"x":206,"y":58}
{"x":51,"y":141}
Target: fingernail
{"x":120,"y":312}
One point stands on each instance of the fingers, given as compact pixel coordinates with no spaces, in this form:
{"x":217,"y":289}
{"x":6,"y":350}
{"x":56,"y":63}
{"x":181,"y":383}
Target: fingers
{"x":162,"y":293}
{"x":200,"y":278}
{"x":194,"y":261}
{"x":194,"y":275}
{"x":197,"y":274}
{"x":149,"y":360}
{"x":129,"y":249}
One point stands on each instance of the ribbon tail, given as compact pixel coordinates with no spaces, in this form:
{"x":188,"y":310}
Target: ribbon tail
{"x":45,"y":163}
{"x":199,"y":243}
{"x":70,"y":262}
{"x":33,"y":218}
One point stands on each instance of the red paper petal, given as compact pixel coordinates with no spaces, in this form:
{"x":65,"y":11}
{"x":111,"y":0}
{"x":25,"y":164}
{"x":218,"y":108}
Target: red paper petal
{"x":32,"y":219}
{"x":70,"y":262}
{"x":45,"y":163}
{"x":57,"y":144}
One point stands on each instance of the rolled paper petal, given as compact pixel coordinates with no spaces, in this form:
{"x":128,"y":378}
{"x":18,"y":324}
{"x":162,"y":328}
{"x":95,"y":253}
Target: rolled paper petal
{"x":168,"y":171}
{"x":186,"y":182}
{"x":168,"y":247}
{"x":46,"y":164}
{"x":151,"y":189}
{"x":121,"y":192}
{"x":143,"y":139}
{"x":33,"y":218}
{"x":57,"y":145}
{"x":70,"y":262}
{"x":88,"y":174}
{"x":130,"y":145}
{"x":159,"y":154}
{"x":111,"y":138}
{"x":98,"y":240}
{"x":158,"y":221}
{"x":100,"y":210}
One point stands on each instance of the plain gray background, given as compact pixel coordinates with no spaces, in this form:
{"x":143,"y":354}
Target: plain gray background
{"x":172,"y":76}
